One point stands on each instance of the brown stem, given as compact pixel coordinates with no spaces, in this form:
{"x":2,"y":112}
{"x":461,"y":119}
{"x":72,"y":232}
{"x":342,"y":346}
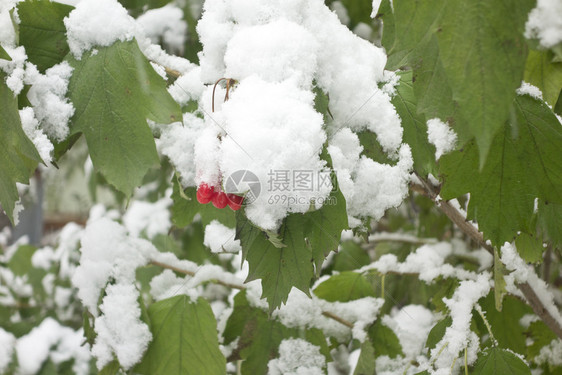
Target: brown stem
{"x":456,"y":217}
{"x":338,"y":319}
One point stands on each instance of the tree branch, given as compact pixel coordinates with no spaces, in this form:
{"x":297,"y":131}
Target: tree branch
{"x":470,"y":230}
{"x":242,"y":287}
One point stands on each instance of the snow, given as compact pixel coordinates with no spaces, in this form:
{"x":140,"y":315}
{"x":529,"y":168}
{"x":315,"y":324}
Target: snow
{"x":273,"y":127}
{"x":107,"y":252}
{"x":83,"y":25}
{"x":177,"y":142}
{"x":521,"y":273}
{"x":47,"y":95}
{"x":376,"y":6}
{"x":305,"y":312}
{"x":441,"y":136}
{"x":272,"y":49}
{"x":545,"y":23}
{"x":220,"y":238}
{"x":119,"y":328}
{"x":7,"y":32}
{"x":150,"y":218}
{"x":165,"y":24}
{"x":428,"y":261}
{"x":363,"y":30}
{"x":31,"y":128}
{"x":550,"y":354}
{"x":51,"y":340}
{"x":369,"y":187}
{"x":15,"y":69}
{"x":187,"y":87}
{"x":411,"y":324}
{"x":277,"y":51}
{"x":528,"y":89}
{"x":7,"y":341}
{"x":297,"y":357}
{"x":458,"y":335}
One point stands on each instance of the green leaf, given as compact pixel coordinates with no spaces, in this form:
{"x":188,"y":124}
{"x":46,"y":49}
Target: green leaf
{"x":499,"y":282}
{"x":525,"y":162}
{"x":358,"y":11}
{"x":388,"y":33}
{"x":431,"y":85}
{"x":344,"y":287}
{"x":323,"y":227}
{"x":500,"y":361}
{"x":541,"y":336}
{"x":278,"y":268}
{"x":366,"y":361}
{"x":414,"y":22}
{"x":114,"y":92}
{"x":112,"y":368}
{"x":529,"y":247}
{"x":550,"y":220}
{"x":18,"y":156}
{"x":261,"y":344}
{"x":42,"y":31}
{"x":505,"y":324}
{"x":484,"y":54}
{"x":4,"y":55}
{"x":20,"y":262}
{"x":384,"y":340}
{"x":542,"y":72}
{"x":372,"y":148}
{"x":186,"y":207}
{"x":184,"y":339}
{"x":415,"y":127}
{"x":259,"y":337}
{"x":350,"y":257}
{"x":437,"y":332}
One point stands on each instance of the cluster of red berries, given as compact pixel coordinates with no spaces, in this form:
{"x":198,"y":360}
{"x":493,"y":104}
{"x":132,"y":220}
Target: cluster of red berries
{"x":220,"y":199}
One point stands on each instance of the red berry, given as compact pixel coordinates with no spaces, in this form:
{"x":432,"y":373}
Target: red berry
{"x":220,"y":200}
{"x":205,"y":190}
{"x":235,"y":201}
{"x":202,"y":199}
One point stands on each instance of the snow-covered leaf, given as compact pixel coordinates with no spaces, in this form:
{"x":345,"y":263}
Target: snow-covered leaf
{"x":42,"y":31}
{"x":484,"y":54}
{"x":415,"y":127}
{"x":18,"y":156}
{"x":184,"y":339}
{"x":114,"y":91}
{"x":525,"y":162}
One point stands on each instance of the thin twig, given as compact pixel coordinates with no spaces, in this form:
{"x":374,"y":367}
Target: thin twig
{"x":458,"y":218}
{"x":190,"y":273}
{"x":242,"y":287}
{"x":338,"y":319}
